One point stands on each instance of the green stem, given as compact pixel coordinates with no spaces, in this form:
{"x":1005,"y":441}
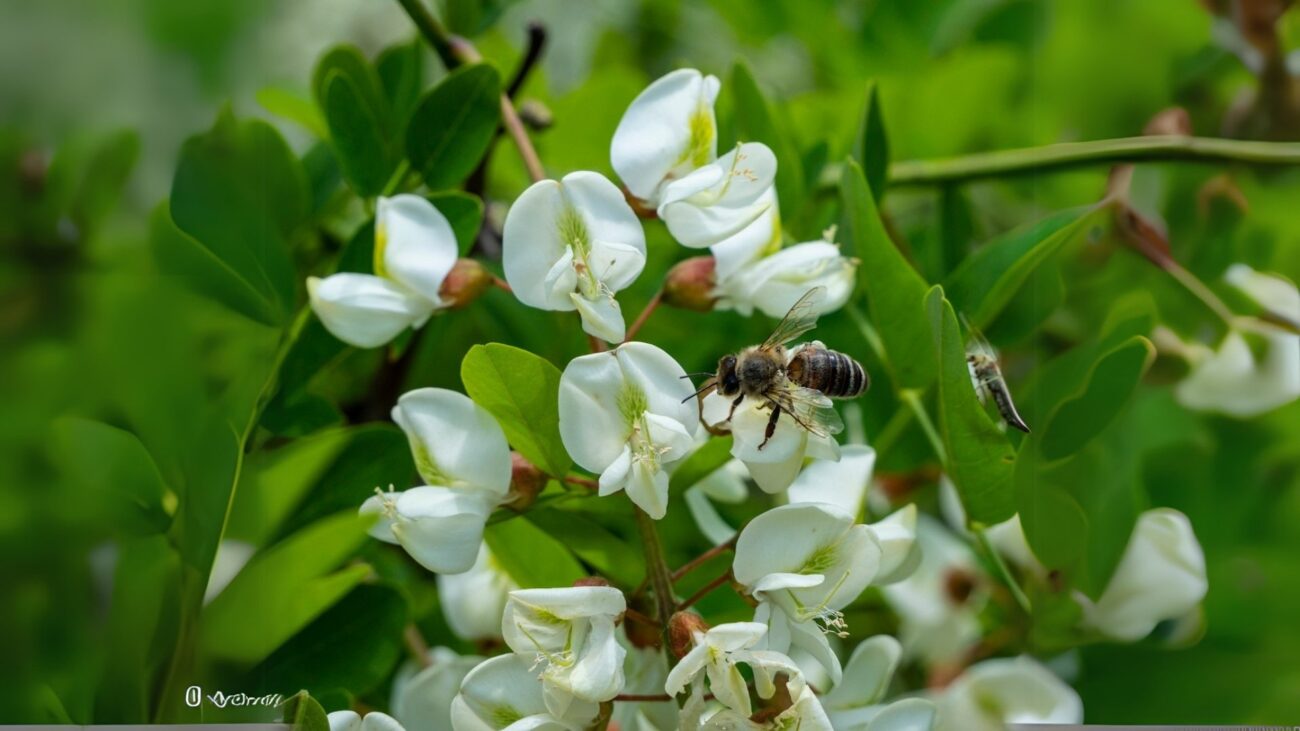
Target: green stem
{"x":1004,"y":573}
{"x":1150,"y":148}
{"x":397,"y":182}
{"x":912,"y":398}
{"x":661,"y":579}
{"x":433,"y":32}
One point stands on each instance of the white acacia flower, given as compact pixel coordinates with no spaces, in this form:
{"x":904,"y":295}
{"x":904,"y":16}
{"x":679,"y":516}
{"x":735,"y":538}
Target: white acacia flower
{"x":774,"y":466}
{"x":460,"y":450}
{"x":422,"y":696}
{"x":570,"y":633}
{"x":415,"y":249}
{"x":622,"y":416}
{"x":571,"y":244}
{"x":856,"y":702}
{"x":715,"y":654}
{"x":352,"y":721}
{"x":668,"y":131}
{"x":772,"y":284}
{"x":1233,"y":380}
{"x":715,"y":205}
{"x":503,"y":693}
{"x":472,"y":602}
{"x":804,"y":714}
{"x":804,"y":563}
{"x":993,"y":693}
{"x":725,"y":485}
{"x":1160,"y":576}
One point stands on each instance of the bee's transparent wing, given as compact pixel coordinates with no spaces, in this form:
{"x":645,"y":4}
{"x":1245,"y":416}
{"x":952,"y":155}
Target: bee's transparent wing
{"x":977,"y":345}
{"x":811,"y":409}
{"x":801,"y":318}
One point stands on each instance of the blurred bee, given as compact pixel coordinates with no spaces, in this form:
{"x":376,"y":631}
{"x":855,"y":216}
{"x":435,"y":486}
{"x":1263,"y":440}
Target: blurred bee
{"x":987,"y":377}
{"x":800,"y":383}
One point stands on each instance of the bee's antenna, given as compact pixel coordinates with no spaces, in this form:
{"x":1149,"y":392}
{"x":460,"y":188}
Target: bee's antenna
{"x":706,"y":387}
{"x":692,"y":375}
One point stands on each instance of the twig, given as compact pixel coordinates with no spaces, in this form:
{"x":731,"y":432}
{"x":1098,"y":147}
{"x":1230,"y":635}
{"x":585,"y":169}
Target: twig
{"x":639,"y":618}
{"x":657,"y":570}
{"x":501,"y":284}
{"x":640,"y":320}
{"x":596,"y":344}
{"x":415,"y":643}
{"x":705,"y":557}
{"x":586,"y":482}
{"x":704,"y":591}
{"x":532,"y":53}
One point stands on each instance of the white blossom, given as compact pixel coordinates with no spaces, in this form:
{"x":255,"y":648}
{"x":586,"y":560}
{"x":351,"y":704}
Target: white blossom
{"x":460,"y":450}
{"x":352,"y":721}
{"x":725,"y":485}
{"x":775,"y":465}
{"x":716,"y":654}
{"x":993,"y":693}
{"x":1160,"y":576}
{"x":772,"y":284}
{"x":856,"y":703}
{"x":422,"y":696}
{"x":504,"y":693}
{"x":668,"y":131}
{"x":622,"y":416}
{"x":1233,"y":380}
{"x":804,"y":563}
{"x":472,"y":601}
{"x":415,"y":248}
{"x":842,"y":483}
{"x":572,"y":244}
{"x":570,"y":634}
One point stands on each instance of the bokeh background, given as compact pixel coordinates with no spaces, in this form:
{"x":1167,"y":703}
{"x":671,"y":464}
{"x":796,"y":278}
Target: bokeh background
{"x":96,"y":99}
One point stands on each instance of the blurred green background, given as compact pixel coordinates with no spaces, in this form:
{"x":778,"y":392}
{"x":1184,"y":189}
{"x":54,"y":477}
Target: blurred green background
{"x":96,"y":99}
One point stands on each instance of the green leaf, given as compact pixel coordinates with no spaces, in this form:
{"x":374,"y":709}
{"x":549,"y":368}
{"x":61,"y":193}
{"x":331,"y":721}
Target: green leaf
{"x":980,"y":460}
{"x":756,"y":121}
{"x":522,"y":391}
{"x":303,"y":713}
{"x":1110,"y":386}
{"x":112,"y":466}
{"x":871,"y":145}
{"x":295,"y":108}
{"x":704,"y":461}
{"x":240,"y":193}
{"x":106,"y":173}
{"x":453,"y":125}
{"x":284,"y":588}
{"x":401,"y":72}
{"x":987,"y":280}
{"x":532,"y":558}
{"x":895,"y":292}
{"x":348,"y":61}
{"x":465,"y":214}
{"x":274,"y":482}
{"x":352,"y":647}
{"x":357,"y":132}
{"x":613,"y":557}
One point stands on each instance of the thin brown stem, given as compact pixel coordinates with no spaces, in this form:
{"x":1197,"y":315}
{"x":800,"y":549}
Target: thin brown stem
{"x":596,"y":344}
{"x":586,"y":482}
{"x":502,"y":284}
{"x":416,"y":645}
{"x":639,"y":618}
{"x":704,"y":558}
{"x":640,"y":320}
{"x":657,"y":570}
{"x":705,"y":590}
{"x":532,"y":53}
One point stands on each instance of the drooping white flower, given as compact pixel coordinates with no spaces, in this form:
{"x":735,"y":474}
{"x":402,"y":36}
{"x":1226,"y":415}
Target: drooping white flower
{"x":715,"y":654}
{"x":993,"y":693}
{"x":571,"y":244}
{"x":472,"y":602}
{"x":716,"y":201}
{"x":1233,"y":380}
{"x":504,"y":693}
{"x":569,"y":632}
{"x":772,"y":284}
{"x":775,"y":465}
{"x":805,"y":714}
{"x":422,"y":696}
{"x":843,"y":483}
{"x":622,"y":416}
{"x":804,"y":563}
{"x":460,"y":450}
{"x":352,"y":721}
{"x":725,"y":485}
{"x":856,"y":702}
{"x":415,"y":248}
{"x":668,"y":131}
{"x":1160,"y":576}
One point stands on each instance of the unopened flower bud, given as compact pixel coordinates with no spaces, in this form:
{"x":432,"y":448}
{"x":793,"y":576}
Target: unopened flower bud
{"x":591,"y":581}
{"x":526,"y":480}
{"x":641,"y":631}
{"x":958,"y":585}
{"x":681,"y":632}
{"x":690,"y":284}
{"x":536,"y":115}
{"x":1171,"y":121}
{"x":464,"y":283}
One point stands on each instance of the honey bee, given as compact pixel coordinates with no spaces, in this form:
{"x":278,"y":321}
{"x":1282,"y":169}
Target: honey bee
{"x":987,"y":378}
{"x":800,"y":383}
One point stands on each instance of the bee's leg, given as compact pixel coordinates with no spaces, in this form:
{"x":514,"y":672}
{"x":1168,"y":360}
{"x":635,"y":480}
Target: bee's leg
{"x":771,"y":425}
{"x":734,"y":404}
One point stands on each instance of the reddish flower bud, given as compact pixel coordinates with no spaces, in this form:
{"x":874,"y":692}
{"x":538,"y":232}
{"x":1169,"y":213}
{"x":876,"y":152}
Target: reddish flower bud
{"x":591,"y":581}
{"x":464,"y":283}
{"x":690,"y":284}
{"x":681,"y":632}
{"x":641,"y":631}
{"x":526,"y":480}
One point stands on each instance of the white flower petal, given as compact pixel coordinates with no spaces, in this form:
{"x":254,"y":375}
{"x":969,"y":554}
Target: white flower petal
{"x":344,"y":721}
{"x":456,"y":442}
{"x":843,"y":483}
{"x":441,"y":528}
{"x":531,"y":245}
{"x":718,"y":201}
{"x":896,"y":535}
{"x":472,"y":602}
{"x":364,"y":310}
{"x":668,"y":130}
{"x":497,"y":693}
{"x":376,"y":721}
{"x":774,"y":283}
{"x":908,"y":714}
{"x":592,"y":426}
{"x":867,"y":674}
{"x":422,"y":697}
{"x":601,"y":317}
{"x":993,"y":693}
{"x":414,"y":243}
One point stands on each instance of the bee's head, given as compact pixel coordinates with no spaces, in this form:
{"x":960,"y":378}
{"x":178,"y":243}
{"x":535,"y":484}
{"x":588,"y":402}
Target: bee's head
{"x":728,"y":381}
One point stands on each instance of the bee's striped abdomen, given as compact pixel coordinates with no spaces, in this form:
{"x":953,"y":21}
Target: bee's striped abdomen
{"x":834,"y":374}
